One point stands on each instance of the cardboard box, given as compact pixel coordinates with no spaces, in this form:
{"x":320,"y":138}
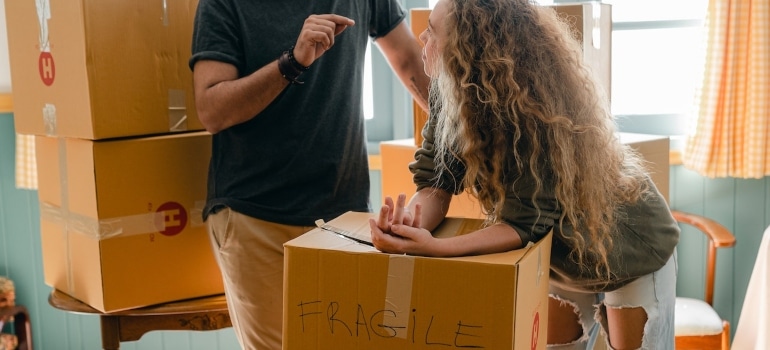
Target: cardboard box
{"x":396,"y":178}
{"x":341,"y":294}
{"x":101,"y":69}
{"x":397,"y":154}
{"x":656,"y":151}
{"x":418,"y":22}
{"x":121,"y":219}
{"x":591,"y":23}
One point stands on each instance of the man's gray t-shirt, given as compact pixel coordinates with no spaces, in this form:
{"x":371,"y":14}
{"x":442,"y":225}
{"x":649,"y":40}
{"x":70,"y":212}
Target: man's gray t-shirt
{"x":304,"y":157}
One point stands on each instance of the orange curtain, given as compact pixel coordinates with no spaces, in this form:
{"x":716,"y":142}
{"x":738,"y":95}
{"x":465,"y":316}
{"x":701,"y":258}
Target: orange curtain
{"x":732,"y":134}
{"x":26,"y":168}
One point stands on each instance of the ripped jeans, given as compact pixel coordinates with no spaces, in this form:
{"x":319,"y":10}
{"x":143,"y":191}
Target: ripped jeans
{"x":655,"y":293}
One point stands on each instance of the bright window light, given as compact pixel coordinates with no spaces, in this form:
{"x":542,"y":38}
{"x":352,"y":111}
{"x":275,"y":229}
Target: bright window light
{"x":368,"y":94}
{"x":656,"y":71}
{"x":658,"y":54}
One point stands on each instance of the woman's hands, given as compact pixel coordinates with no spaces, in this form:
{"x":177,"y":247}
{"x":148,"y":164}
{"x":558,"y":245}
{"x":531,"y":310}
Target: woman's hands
{"x":401,"y":229}
{"x":317,"y":36}
{"x":397,"y":229}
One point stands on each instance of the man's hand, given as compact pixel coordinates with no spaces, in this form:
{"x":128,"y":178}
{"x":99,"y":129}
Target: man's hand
{"x":317,"y":36}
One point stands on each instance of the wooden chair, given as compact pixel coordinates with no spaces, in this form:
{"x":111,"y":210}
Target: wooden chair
{"x":201,"y":314}
{"x":22,"y":325}
{"x":697,"y":324}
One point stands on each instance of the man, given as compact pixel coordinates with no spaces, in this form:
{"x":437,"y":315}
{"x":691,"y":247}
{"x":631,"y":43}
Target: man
{"x":279,"y":85}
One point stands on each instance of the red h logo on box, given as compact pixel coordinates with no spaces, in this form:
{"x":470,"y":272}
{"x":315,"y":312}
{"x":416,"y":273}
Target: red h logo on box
{"x":174,"y":218}
{"x":535,"y":330}
{"x":47,"y":68}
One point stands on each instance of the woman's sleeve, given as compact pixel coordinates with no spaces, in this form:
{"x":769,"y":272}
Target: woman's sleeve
{"x":425,"y":168}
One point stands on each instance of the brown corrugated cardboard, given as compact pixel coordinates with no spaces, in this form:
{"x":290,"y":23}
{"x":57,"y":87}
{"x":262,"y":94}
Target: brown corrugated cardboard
{"x":655,"y":150}
{"x":341,"y":294}
{"x":592,"y":25}
{"x":396,"y":178}
{"x":397,"y":154}
{"x":101,"y":69}
{"x":418,"y":22}
{"x":120,"y":219}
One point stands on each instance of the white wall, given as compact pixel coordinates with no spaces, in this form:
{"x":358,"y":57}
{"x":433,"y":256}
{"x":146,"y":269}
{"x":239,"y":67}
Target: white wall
{"x":5,"y":67}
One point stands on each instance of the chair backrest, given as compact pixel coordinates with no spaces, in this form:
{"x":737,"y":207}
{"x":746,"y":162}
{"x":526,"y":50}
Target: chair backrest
{"x":718,"y":237}
{"x":21,"y":325}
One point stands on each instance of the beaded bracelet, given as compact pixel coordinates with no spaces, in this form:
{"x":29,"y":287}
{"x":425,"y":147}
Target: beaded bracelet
{"x":289,"y":67}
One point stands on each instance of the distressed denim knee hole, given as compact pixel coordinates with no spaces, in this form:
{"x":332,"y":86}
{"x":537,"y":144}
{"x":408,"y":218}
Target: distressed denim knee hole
{"x":647,"y":310}
{"x":584,"y":328}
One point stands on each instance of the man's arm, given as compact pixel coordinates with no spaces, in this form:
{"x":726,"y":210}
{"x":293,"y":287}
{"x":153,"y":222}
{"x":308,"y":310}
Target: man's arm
{"x":222,"y":99}
{"x":404,"y":54}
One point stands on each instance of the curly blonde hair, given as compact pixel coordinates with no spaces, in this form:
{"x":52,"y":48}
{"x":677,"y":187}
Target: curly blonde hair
{"x":514,"y":99}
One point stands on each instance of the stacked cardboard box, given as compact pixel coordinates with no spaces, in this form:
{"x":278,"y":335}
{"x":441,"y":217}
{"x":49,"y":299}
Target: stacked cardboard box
{"x":122,"y":161}
{"x":591,"y":24}
{"x":418,"y":21}
{"x":101,"y":69}
{"x":397,"y":154}
{"x":340,"y":293}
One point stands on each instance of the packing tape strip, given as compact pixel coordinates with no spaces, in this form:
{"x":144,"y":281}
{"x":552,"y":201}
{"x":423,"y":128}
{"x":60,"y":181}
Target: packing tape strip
{"x":49,"y":119}
{"x":342,"y":233}
{"x":398,"y":288}
{"x":105,"y":228}
{"x":596,"y":32}
{"x":177,"y":110}
{"x":196,"y":214}
{"x":129,"y":225}
{"x":165,"y":13}
{"x":398,"y":293}
{"x":43,"y":9}
{"x":177,"y":114}
{"x":62,"y":154}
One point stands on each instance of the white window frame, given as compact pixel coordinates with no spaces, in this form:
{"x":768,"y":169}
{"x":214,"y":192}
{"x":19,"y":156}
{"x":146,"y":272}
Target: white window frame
{"x":391,"y":101}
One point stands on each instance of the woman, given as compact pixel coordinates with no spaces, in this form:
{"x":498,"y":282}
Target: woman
{"x":518,"y":122}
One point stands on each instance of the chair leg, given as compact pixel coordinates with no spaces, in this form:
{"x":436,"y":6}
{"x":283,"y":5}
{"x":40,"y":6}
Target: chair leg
{"x":725,"y":335}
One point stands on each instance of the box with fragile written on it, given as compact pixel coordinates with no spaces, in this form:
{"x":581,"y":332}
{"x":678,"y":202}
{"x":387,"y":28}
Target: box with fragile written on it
{"x":340,"y":293}
{"x":120,"y":219}
{"x":96,"y":69}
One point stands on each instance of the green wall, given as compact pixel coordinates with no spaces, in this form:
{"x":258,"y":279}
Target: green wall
{"x":740,"y":205}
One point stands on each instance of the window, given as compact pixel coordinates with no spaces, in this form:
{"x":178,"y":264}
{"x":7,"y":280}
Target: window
{"x":387,"y":103}
{"x":368,"y":95}
{"x":657,"y":59}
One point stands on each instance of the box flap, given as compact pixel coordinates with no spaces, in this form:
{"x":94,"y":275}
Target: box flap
{"x":352,"y":225}
{"x":351,"y":232}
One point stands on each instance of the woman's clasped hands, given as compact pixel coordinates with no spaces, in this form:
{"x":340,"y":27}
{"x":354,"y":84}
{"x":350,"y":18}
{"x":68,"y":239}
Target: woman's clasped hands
{"x":397,"y":229}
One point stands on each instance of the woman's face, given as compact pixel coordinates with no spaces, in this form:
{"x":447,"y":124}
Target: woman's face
{"x":433,"y":36}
